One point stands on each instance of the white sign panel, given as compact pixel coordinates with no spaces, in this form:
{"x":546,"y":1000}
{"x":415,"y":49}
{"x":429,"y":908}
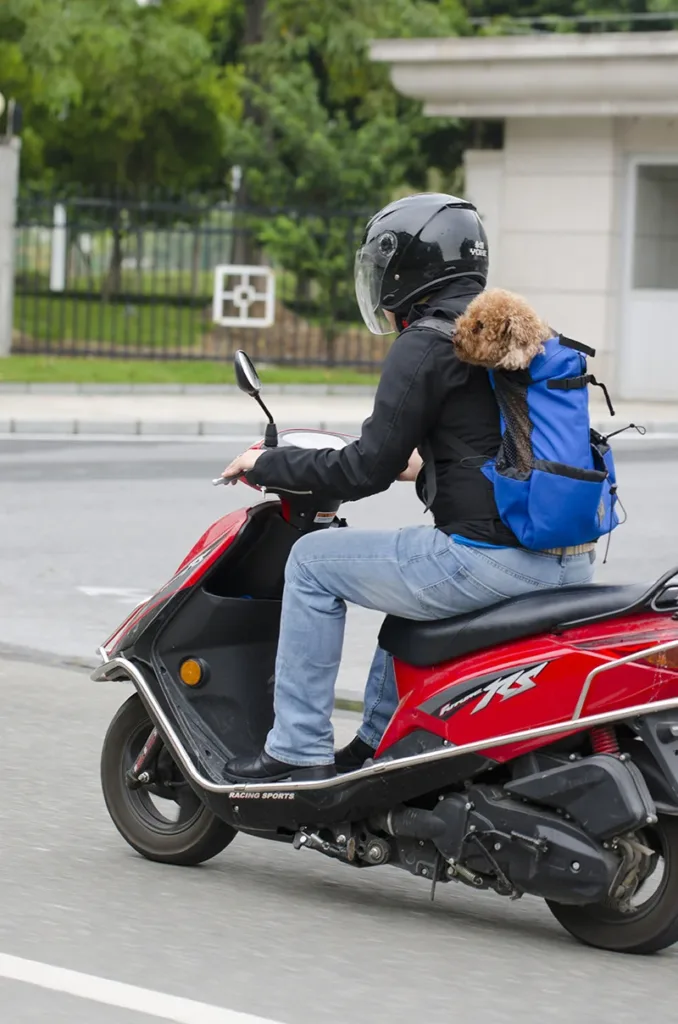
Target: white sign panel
{"x":237,"y":289}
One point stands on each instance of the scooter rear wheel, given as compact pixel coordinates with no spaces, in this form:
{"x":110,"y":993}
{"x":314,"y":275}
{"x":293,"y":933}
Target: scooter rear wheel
{"x":165,"y":821}
{"x":651,"y":923}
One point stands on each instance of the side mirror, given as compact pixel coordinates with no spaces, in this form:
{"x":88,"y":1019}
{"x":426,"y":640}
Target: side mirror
{"x":248,"y":381}
{"x":246,"y":376}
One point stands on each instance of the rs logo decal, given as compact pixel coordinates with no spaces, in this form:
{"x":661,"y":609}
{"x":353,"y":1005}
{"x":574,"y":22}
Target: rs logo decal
{"x":510,"y":686}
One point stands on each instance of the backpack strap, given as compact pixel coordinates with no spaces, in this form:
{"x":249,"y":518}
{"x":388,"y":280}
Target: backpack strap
{"x":573,"y":383}
{"x":430,"y":481}
{"x":448,"y":329}
{"x":578,"y":346}
{"x":434,"y":323}
{"x":463,"y":450}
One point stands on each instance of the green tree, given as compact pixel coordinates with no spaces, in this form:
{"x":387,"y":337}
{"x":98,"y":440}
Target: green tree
{"x":118,"y":94}
{"x":119,"y":97}
{"x":324,"y":131}
{"x":176,"y":94}
{"x":325,"y":126}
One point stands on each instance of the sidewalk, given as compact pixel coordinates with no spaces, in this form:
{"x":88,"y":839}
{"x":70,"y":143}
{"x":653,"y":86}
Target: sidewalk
{"x":193,"y":411}
{"x":162,"y":411}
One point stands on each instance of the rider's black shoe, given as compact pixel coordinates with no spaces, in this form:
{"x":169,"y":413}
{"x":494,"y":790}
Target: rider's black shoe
{"x":353,"y":756}
{"x":264,"y":768}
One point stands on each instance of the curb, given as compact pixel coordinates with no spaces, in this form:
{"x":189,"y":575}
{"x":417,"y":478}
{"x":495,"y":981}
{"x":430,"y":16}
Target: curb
{"x":105,"y":390}
{"x":86,"y":665}
{"x":35,"y":657}
{"x":156,"y":429}
{"x":207,"y":428}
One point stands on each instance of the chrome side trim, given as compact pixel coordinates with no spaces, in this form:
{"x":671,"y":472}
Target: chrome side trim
{"x":415,"y":760}
{"x":607,"y":665}
{"x":101,"y":651}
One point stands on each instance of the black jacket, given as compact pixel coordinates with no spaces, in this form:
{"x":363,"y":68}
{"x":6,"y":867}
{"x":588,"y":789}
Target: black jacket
{"x":426,"y":396}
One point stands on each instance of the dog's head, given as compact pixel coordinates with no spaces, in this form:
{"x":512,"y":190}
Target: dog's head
{"x":501,"y":331}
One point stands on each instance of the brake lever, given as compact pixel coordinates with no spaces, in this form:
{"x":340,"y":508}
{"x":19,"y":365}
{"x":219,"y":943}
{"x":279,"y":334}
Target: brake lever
{"x":226,"y":480}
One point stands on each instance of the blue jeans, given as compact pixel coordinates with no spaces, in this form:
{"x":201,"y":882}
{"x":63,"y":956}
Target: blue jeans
{"x":416,"y":573}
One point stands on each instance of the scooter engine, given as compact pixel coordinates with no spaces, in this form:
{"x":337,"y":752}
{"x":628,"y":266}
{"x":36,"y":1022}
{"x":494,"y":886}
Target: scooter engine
{"x":517,"y":848}
{"x":562,"y":830}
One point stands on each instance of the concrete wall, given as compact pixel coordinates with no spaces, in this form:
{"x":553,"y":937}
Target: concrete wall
{"x":484,"y":186}
{"x":9,"y":176}
{"x":557,"y":218}
{"x":557,"y":206}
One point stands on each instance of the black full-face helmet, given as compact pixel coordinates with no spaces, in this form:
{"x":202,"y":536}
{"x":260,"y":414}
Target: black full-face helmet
{"x":415,"y":246}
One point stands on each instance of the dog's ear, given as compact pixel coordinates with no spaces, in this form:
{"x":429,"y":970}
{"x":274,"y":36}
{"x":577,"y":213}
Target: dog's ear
{"x":522,"y":335}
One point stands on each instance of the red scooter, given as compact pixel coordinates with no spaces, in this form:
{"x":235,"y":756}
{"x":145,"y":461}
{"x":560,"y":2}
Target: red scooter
{"x":534,"y":749}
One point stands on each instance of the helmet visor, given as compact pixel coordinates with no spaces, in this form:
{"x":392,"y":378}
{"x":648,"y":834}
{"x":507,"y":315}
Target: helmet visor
{"x":371,"y":261}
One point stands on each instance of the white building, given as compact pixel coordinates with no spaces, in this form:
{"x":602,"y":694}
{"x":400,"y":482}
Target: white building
{"x":581,"y":204}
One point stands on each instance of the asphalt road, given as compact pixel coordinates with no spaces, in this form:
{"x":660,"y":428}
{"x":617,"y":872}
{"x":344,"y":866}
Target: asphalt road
{"x":264,"y":930}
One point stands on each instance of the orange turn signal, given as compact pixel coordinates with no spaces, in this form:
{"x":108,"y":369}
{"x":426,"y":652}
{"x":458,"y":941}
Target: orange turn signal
{"x":664,"y":659}
{"x":191,"y":672}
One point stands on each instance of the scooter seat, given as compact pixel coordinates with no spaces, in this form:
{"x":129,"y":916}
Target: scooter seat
{"x":544,"y":611}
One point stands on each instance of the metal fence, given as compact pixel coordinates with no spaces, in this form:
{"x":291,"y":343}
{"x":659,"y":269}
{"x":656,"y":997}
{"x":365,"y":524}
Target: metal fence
{"x":603,"y":21}
{"x":135,"y":278}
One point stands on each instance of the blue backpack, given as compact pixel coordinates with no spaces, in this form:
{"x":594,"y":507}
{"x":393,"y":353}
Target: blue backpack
{"x":554,"y":477}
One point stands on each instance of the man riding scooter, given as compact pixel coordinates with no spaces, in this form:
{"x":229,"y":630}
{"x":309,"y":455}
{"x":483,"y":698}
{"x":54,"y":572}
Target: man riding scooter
{"x":423,"y":259}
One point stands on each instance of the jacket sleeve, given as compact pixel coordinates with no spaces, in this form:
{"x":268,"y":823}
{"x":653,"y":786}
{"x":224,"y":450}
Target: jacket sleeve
{"x":406,"y":404}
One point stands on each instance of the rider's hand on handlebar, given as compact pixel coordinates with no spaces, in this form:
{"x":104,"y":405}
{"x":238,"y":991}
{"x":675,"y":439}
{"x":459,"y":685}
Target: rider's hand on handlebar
{"x":241,"y":465}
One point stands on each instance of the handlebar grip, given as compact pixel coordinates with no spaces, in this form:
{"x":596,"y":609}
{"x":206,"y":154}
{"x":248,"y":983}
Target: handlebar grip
{"x":227,"y":479}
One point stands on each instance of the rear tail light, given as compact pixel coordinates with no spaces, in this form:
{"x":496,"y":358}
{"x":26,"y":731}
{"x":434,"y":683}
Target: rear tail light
{"x":666,"y":660}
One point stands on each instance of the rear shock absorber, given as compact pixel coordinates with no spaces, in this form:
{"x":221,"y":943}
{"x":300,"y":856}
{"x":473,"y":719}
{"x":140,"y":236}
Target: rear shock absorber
{"x":604,"y":740}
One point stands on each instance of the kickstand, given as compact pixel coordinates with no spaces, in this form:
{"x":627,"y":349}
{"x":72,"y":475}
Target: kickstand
{"x":436,"y":871}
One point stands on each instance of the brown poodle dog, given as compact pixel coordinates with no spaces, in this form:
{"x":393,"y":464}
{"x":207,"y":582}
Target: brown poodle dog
{"x":501,"y":331}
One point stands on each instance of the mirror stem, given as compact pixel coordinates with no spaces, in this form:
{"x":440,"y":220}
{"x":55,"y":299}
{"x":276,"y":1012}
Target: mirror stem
{"x":271,"y":432}
{"x":268,"y":415}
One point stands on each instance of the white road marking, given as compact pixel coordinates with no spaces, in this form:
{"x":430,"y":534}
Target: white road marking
{"x":116,"y":993}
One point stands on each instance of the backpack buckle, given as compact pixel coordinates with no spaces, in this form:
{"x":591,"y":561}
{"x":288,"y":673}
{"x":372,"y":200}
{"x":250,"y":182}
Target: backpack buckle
{"x":574,"y":383}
